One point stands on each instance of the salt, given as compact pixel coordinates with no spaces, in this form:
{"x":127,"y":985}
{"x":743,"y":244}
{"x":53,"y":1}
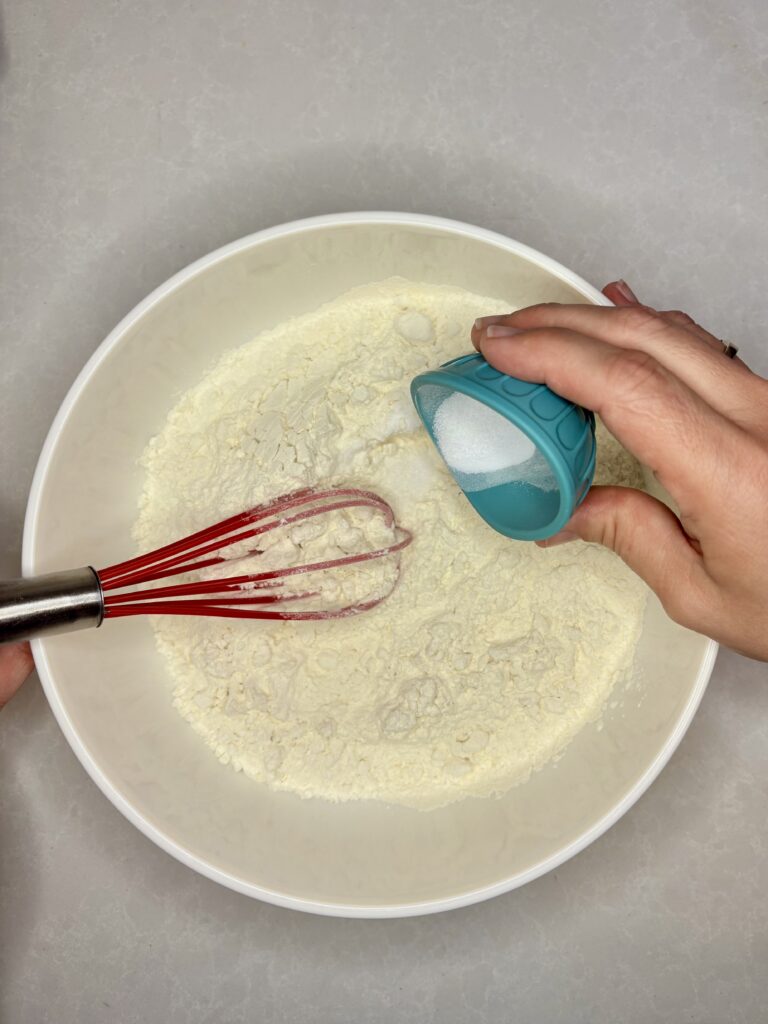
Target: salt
{"x":473,"y":438}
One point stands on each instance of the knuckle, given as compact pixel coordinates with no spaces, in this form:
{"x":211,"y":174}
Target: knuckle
{"x":680,"y":317}
{"x":614,"y":519}
{"x":755,"y":466}
{"x":640,"y":319}
{"x":635,"y":373}
{"x":541,"y":310}
{"x":701,"y":611}
{"x":758,"y":410}
{"x":684,"y":601}
{"x":678,"y":606}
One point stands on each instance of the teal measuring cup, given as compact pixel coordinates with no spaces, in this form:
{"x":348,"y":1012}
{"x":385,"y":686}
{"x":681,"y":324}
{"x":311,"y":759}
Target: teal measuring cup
{"x":534,"y":498}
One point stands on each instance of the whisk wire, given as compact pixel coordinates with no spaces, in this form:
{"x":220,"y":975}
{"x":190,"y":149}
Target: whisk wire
{"x":214,"y":597}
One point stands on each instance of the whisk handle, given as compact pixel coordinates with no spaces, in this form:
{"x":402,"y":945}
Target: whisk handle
{"x":55,"y":603}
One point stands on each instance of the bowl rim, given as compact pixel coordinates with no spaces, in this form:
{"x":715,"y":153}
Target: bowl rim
{"x":50,"y":688}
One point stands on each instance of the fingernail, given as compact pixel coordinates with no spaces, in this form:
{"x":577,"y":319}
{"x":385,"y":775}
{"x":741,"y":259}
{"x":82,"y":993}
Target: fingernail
{"x":484,"y":321}
{"x":501,"y":331}
{"x":563,"y":537}
{"x":625,"y":291}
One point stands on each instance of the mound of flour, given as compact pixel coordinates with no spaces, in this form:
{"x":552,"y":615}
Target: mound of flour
{"x":489,"y":656}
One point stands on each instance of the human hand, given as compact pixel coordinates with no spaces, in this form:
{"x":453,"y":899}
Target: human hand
{"x":699,"y":420}
{"x":15,"y":665}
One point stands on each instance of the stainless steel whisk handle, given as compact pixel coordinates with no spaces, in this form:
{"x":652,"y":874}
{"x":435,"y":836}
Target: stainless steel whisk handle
{"x":55,"y":603}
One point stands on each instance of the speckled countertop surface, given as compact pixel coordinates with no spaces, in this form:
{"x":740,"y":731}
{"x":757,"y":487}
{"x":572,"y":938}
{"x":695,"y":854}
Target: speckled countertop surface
{"x":622,"y":138}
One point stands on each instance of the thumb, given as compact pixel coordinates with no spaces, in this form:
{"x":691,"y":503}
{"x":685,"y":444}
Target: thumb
{"x":15,"y":665}
{"x":648,"y":536}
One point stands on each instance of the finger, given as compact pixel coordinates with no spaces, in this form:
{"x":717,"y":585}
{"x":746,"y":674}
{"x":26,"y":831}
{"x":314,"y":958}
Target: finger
{"x":724,"y":384}
{"x":620,"y":293}
{"x":15,"y":665}
{"x":681,"y":319}
{"x":479,"y":326}
{"x":646,"y":535}
{"x":654,"y":414}
{"x":717,"y":345}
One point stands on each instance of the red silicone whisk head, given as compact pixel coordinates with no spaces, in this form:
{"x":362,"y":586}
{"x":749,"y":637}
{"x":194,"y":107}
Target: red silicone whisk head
{"x":248,"y":595}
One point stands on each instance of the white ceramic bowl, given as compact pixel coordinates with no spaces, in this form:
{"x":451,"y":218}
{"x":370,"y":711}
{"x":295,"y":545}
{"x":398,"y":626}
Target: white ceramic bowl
{"x":109,"y":688}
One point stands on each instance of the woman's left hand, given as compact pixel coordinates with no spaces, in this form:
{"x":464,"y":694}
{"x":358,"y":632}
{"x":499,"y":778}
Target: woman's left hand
{"x":15,"y":665}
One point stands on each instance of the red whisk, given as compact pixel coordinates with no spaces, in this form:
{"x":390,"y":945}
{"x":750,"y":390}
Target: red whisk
{"x":78,"y":598}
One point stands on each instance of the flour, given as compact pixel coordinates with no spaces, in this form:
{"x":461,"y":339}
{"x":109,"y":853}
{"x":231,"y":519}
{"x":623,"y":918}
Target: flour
{"x":488,"y":657}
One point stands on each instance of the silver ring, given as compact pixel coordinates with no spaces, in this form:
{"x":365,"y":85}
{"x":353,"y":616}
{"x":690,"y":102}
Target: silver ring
{"x":729,"y":349}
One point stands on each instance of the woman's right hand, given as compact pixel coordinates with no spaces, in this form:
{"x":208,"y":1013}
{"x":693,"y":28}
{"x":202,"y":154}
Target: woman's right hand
{"x":699,"y":420}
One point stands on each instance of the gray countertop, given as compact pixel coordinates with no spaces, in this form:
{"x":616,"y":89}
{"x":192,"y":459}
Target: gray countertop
{"x":623,"y":138}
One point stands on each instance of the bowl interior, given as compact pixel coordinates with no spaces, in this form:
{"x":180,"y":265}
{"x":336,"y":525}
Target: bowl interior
{"x":110,"y":689}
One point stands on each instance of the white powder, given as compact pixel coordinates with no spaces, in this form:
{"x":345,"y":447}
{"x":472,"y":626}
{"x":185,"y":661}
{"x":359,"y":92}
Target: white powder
{"x":473,"y":438}
{"x":488,"y":657}
{"x":484,"y":449}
